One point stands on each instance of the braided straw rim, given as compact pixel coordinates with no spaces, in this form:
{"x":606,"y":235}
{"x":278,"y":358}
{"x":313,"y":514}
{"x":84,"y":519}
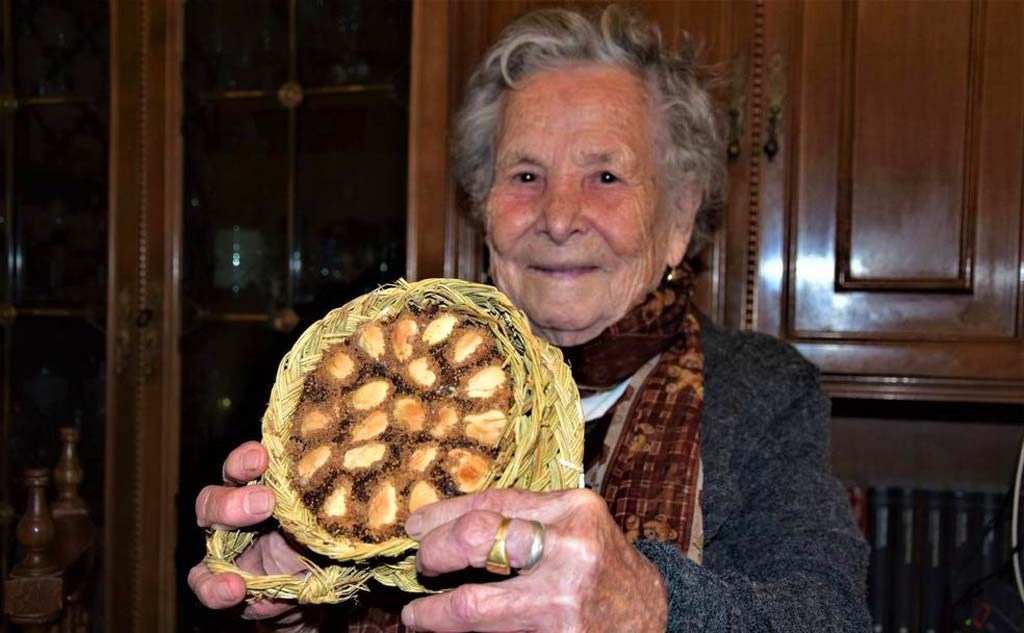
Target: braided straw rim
{"x":542,"y":449}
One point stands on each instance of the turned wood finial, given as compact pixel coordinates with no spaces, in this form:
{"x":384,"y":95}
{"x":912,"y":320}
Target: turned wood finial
{"x":35,"y":530}
{"x":74,"y":534}
{"x":68,"y":474}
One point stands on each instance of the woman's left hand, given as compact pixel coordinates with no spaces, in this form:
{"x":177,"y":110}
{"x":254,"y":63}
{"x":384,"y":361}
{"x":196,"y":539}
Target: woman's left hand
{"x":589,"y":578}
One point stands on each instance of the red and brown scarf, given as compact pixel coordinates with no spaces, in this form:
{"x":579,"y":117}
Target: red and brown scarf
{"x":643,"y":455}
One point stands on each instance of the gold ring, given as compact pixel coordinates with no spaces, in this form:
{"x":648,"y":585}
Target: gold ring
{"x":497,"y":558}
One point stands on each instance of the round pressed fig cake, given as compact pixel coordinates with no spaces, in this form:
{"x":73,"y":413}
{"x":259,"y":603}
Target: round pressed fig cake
{"x":408,"y":394}
{"x":408,"y":410}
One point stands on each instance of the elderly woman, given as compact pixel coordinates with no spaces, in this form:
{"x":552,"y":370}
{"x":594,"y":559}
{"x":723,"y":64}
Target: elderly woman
{"x":593,"y":157}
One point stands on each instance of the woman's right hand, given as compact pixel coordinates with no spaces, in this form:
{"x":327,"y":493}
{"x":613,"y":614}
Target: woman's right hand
{"x":233,"y":506}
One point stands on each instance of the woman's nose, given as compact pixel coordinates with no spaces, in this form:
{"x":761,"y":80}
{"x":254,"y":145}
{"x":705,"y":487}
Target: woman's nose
{"x":564,"y":212}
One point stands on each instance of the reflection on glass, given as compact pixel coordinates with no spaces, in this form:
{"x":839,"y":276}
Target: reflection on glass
{"x":350,"y":197}
{"x":351,"y":41}
{"x":61,"y":203}
{"x":4,"y":212}
{"x":235,"y":176}
{"x":237,"y":45}
{"x":229,"y":370}
{"x":58,"y":381}
{"x":60,"y":49}
{"x":239,"y":256}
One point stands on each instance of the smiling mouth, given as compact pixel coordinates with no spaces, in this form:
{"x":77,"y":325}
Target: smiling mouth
{"x":564,"y":272}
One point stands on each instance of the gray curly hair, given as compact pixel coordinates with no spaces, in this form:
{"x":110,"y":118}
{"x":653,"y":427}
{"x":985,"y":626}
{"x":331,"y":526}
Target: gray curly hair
{"x":693,"y":146}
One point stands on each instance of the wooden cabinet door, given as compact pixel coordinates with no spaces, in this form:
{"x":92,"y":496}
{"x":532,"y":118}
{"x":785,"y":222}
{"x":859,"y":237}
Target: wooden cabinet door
{"x":890,"y":220}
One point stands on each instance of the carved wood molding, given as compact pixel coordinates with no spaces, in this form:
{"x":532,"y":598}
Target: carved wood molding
{"x":969,"y":372}
{"x":757,"y":97}
{"x":915,"y":388}
{"x":142,"y":424}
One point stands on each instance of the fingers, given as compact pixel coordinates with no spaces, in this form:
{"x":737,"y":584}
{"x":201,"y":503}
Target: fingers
{"x":223,"y":591}
{"x":271,"y":555}
{"x":268,"y":608}
{"x":543,"y":507}
{"x":245,"y":463}
{"x":227,"y":508}
{"x":216,"y":591}
{"x":492,"y":607}
{"x":466,"y":541}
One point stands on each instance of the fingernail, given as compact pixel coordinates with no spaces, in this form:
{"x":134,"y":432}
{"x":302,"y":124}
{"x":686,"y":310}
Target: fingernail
{"x":407,"y":618}
{"x":258,"y":502}
{"x":251,"y":461}
{"x":226,"y":593}
{"x":412,"y":526}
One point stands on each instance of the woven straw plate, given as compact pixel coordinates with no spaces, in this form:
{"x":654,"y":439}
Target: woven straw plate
{"x":541,"y":449}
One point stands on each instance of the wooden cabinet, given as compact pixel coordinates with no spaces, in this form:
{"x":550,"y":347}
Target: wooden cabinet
{"x":237,"y":187}
{"x":875,"y":211}
{"x":888,"y":228}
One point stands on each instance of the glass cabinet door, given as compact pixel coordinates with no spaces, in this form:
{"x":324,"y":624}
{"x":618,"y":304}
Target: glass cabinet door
{"x":54,"y":128}
{"x":295,"y":157}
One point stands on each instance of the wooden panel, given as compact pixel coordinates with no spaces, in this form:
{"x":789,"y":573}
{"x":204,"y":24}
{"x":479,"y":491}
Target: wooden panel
{"x":143,"y":317}
{"x":428,"y":131}
{"x":907,"y":168}
{"x":904,"y":218}
{"x":711,"y":23}
{"x":942,"y":313}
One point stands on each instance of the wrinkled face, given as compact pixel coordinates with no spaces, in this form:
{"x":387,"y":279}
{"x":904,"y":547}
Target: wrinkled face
{"x":579,"y":229}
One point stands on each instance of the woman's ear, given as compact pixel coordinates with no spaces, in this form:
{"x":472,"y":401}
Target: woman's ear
{"x":683,"y":208}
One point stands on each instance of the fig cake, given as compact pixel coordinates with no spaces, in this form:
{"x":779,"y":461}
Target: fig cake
{"x":406,"y":411}
{"x":410,"y":393}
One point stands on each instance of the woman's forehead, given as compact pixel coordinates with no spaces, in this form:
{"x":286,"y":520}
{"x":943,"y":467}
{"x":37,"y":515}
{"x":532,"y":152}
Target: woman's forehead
{"x":582,"y":86}
{"x":596,"y":114}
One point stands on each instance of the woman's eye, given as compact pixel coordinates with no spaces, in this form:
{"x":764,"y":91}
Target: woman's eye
{"x":607,"y":177}
{"x":526,"y":176}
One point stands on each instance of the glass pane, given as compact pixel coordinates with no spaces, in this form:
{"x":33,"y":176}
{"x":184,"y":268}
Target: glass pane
{"x":61,"y":204}
{"x":61,"y":48}
{"x":352,"y":41}
{"x":350,"y":196}
{"x":236,"y":45}
{"x":57,"y":380}
{"x":6,"y":123}
{"x":230,"y":369}
{"x":8,"y":551}
{"x":5,"y":63}
{"x":235,"y":205}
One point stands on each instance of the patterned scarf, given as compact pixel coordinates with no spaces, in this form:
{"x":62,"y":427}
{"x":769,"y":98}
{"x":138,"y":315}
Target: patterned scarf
{"x":644,"y":453}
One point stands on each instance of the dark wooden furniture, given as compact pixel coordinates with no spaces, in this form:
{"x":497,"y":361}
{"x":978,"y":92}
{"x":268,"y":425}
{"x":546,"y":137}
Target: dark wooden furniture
{"x":48,"y":590}
{"x":889,"y":224}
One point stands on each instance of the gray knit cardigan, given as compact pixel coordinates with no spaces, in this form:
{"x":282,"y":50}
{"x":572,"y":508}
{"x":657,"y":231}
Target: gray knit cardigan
{"x":781,"y":549}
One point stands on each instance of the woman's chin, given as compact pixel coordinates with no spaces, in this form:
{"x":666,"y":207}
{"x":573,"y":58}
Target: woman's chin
{"x":566,"y":330}
{"x":564,"y":313}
